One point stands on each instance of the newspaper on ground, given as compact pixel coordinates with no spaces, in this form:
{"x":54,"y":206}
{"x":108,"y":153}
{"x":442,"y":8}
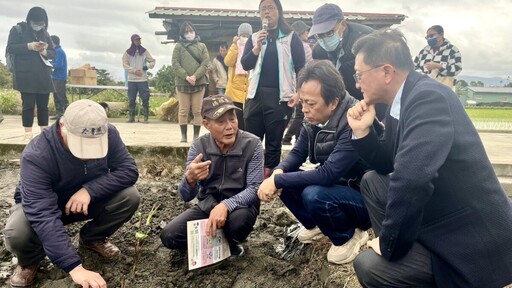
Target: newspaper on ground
{"x":204,"y":250}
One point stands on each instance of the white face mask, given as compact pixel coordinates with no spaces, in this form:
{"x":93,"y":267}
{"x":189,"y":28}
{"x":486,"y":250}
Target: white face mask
{"x":242,"y":40}
{"x":190,"y":36}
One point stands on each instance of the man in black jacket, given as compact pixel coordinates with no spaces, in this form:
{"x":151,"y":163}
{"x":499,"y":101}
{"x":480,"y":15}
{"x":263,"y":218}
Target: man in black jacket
{"x":437,"y":208}
{"x":78,"y":169}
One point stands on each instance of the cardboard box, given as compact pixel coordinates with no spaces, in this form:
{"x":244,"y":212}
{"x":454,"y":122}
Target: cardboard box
{"x":84,"y":75}
{"x":77,"y":72}
{"x":83,"y":80}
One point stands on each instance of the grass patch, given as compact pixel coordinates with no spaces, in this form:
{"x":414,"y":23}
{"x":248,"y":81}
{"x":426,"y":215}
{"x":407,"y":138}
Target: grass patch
{"x":490,"y":114}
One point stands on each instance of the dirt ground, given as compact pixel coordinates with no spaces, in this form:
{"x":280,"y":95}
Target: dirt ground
{"x":261,"y":266}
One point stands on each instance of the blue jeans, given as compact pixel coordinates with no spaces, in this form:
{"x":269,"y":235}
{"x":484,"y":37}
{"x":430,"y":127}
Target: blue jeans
{"x":337,"y":210}
{"x":143,"y":89}
{"x":221,"y":91}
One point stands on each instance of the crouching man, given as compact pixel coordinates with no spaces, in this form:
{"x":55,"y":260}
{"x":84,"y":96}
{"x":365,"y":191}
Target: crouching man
{"x":224,"y":170}
{"x":325,"y":200}
{"x":78,"y":169}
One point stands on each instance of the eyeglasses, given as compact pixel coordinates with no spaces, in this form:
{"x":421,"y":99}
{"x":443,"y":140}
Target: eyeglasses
{"x":358,"y":75}
{"x":324,"y":35}
{"x":269,"y":8}
{"x":432,"y":35}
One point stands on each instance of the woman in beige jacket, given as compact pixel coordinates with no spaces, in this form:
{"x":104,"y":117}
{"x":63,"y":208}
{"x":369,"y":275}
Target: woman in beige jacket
{"x":238,"y":78}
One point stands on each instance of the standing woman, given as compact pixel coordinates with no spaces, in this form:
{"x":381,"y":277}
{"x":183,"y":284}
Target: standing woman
{"x":238,"y":78}
{"x":32,"y":46}
{"x":190,"y":60}
{"x":274,"y":55}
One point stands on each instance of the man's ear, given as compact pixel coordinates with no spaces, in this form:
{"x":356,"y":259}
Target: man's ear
{"x":206,"y":124}
{"x":389,"y":72}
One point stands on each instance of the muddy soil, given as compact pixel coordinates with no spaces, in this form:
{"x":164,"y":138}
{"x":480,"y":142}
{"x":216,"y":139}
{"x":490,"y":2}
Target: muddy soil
{"x":261,"y":266}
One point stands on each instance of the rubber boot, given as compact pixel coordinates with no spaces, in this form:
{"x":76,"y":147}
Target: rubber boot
{"x":131,"y":116}
{"x":183,"y":133}
{"x":196,"y":131}
{"x":146,"y":115}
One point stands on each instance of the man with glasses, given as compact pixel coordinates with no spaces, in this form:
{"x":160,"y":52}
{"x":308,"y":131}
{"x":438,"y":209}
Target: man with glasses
{"x":439,"y":213}
{"x":440,"y":59}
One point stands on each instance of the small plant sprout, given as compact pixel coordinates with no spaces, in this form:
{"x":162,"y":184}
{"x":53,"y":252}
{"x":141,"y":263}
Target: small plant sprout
{"x":142,"y":233}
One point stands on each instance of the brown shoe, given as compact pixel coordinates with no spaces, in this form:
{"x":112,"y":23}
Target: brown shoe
{"x":106,"y":249}
{"x":24,"y":276}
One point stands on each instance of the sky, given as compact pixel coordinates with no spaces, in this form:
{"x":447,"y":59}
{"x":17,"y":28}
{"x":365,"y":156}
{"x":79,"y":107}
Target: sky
{"x":97,"y":32}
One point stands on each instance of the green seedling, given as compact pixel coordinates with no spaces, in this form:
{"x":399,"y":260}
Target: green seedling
{"x":142,"y":233}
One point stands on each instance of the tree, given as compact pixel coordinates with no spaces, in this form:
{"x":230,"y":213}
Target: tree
{"x":509,"y":84}
{"x":163,"y":81}
{"x":461,"y":83}
{"x":104,"y":78}
{"x":5,"y":76}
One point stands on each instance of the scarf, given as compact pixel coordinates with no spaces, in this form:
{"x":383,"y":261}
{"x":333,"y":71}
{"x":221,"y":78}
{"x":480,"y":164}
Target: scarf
{"x":239,"y":70}
{"x":133,"y":49}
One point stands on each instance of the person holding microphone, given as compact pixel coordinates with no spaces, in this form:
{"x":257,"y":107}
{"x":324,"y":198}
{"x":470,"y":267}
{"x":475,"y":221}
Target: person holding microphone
{"x":269,"y":55}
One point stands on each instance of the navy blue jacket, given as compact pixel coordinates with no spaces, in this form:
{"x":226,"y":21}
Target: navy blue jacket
{"x":50,"y":175}
{"x":443,"y":191}
{"x":337,"y":161}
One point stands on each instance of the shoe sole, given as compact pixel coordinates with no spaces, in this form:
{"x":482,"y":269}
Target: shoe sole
{"x":311,"y":240}
{"x":360,"y":243}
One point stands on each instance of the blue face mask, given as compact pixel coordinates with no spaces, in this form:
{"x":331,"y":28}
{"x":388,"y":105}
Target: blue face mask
{"x":432,"y":41}
{"x":35,"y":27}
{"x":330,"y":43}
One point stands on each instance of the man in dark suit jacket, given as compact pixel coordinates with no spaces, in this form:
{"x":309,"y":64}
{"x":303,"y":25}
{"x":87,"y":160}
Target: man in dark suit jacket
{"x":440,"y":215}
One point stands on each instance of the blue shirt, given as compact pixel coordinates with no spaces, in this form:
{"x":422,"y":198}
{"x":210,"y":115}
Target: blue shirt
{"x":60,"y":65}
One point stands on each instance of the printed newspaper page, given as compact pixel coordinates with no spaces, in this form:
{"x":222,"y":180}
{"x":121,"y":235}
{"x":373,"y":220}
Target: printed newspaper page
{"x":202,"y":249}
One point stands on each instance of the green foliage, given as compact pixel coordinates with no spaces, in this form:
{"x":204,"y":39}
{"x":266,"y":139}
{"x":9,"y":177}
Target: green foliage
{"x":476,"y":84}
{"x":509,"y":84}
{"x":163,"y":81}
{"x":5,"y":77}
{"x":142,"y":233}
{"x":104,"y":78}
{"x":461,"y":83}
{"x":10,"y":101}
{"x":490,"y":114}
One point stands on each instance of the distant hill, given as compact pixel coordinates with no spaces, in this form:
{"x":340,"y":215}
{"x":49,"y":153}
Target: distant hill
{"x":488,"y":82}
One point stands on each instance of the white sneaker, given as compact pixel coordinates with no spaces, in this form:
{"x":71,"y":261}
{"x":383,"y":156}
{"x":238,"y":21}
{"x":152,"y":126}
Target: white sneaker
{"x":309,"y":235}
{"x":28,"y":136}
{"x":347,"y":252}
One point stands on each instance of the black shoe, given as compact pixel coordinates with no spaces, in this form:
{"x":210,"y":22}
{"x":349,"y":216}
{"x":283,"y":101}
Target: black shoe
{"x":236,"y":249}
{"x":284,"y":142}
{"x":55,"y":117}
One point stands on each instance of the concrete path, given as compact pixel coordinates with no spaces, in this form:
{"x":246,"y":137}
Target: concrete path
{"x":161,"y":133}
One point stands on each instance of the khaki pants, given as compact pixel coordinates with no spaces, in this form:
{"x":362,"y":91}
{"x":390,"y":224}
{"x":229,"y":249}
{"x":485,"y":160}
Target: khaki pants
{"x":186,"y":100}
{"x":446,"y":80}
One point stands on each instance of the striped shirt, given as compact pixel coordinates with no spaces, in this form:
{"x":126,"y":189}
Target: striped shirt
{"x":245,"y":198}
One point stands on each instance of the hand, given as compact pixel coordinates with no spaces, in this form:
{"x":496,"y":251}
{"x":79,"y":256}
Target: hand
{"x":375,"y":245}
{"x":268,"y":190}
{"x":262,"y":34}
{"x":34,"y":46}
{"x":294,"y":100}
{"x":360,"y":118}
{"x":433,"y":65}
{"x":235,"y":39}
{"x":191,"y":80}
{"x":197,"y":170}
{"x":138,"y":72}
{"x":86,"y":278}
{"x":79,"y":202}
{"x":44,"y":52}
{"x":217,"y":219}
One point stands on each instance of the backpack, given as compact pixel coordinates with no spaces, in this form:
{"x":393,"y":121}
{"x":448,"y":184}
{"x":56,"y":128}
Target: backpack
{"x":9,"y":57}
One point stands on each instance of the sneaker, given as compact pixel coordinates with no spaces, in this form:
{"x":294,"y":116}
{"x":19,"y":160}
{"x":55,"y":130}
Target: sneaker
{"x":28,"y":136}
{"x":347,"y":252}
{"x":24,"y":276}
{"x":104,"y":248}
{"x":310,"y":235}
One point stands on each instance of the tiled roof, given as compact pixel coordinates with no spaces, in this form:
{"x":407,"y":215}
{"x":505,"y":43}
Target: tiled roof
{"x":162,"y":12}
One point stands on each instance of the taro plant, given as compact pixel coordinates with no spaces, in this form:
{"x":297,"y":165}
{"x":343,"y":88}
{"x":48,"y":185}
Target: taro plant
{"x":142,"y":233}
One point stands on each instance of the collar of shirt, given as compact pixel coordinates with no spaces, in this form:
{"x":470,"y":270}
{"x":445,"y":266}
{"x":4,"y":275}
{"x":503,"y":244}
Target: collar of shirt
{"x":394,"y":111}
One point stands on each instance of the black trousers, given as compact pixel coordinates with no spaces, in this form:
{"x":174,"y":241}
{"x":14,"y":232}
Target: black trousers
{"x":267,"y":116}
{"x":236,"y":229}
{"x":240,"y":115}
{"x":29,"y":101}
{"x":59,"y":96}
{"x":296,"y":125}
{"x":413,"y":270}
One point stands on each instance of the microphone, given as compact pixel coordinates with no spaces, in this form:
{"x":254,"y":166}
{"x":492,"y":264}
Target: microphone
{"x":264,"y":26}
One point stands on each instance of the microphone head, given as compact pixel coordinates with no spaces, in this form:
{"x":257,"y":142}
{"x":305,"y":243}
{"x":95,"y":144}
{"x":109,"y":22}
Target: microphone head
{"x":264,"y":24}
